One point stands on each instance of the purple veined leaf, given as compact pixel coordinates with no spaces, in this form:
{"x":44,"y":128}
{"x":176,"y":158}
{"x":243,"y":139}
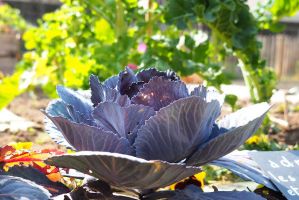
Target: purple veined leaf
{"x":159,"y":92}
{"x":216,"y":131}
{"x":123,"y":121}
{"x":241,"y":164}
{"x":207,"y":94}
{"x":80,"y":103}
{"x":32,"y":174}
{"x":134,"y":89}
{"x":83,"y":137}
{"x":55,"y":134}
{"x":58,"y":108}
{"x":194,"y":193}
{"x":101,"y":93}
{"x":239,"y":125}
{"x":200,"y":91}
{"x":147,"y":74}
{"x":176,"y":130}
{"x":111,"y":82}
{"x":78,"y":117}
{"x":126,"y":79}
{"x":125,"y":171}
{"x":15,"y":188}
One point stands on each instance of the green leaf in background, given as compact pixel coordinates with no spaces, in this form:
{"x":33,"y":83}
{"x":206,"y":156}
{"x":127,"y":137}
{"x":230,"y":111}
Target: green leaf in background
{"x":9,"y":89}
{"x":11,"y":19}
{"x":102,"y":37}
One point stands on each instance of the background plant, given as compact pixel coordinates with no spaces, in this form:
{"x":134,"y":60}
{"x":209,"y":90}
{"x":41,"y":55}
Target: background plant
{"x":11,"y":20}
{"x":101,"y":37}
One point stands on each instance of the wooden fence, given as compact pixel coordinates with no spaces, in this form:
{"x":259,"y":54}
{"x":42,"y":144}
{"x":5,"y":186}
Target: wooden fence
{"x":9,"y":52}
{"x":281,"y":52}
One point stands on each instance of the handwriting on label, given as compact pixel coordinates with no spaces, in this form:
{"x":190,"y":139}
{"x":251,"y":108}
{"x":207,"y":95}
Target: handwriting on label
{"x":284,"y":162}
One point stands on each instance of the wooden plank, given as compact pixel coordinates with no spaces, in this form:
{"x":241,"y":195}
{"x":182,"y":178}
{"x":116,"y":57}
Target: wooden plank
{"x":9,"y":45}
{"x":279,"y":54}
{"x":7,"y":65}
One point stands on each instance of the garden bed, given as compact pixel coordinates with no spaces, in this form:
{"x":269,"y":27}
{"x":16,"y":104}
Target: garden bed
{"x":29,"y":107}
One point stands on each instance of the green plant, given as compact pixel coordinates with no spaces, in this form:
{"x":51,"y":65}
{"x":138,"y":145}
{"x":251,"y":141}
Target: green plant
{"x":232,"y":25}
{"x":10,"y":19}
{"x":101,"y":37}
{"x":231,"y":100}
{"x":271,"y":12}
{"x":10,"y":87}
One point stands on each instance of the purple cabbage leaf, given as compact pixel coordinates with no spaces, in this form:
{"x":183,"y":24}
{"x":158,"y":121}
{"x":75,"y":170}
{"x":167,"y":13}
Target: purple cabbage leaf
{"x":147,"y":126}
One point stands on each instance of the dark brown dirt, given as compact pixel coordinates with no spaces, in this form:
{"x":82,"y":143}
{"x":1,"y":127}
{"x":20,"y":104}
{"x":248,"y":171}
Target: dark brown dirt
{"x":29,"y":107}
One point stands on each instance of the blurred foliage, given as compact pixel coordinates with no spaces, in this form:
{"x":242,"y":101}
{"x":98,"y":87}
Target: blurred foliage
{"x":231,"y":100}
{"x":234,"y":30}
{"x":215,"y":173}
{"x":9,"y":89}
{"x":262,"y":143}
{"x":11,"y":20}
{"x":270,"y":13}
{"x":101,"y":37}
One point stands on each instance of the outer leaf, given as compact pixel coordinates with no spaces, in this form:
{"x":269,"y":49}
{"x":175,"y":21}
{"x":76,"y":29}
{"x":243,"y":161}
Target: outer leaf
{"x":134,"y":89}
{"x":32,"y":174}
{"x":159,"y":92}
{"x":55,"y":134}
{"x":58,"y":108}
{"x":126,"y":79}
{"x":15,"y":188}
{"x":125,"y":171}
{"x":193,"y":193}
{"x":176,"y":130}
{"x":83,"y":137}
{"x":111,"y":82}
{"x":207,"y":94}
{"x":123,"y":121}
{"x":80,"y":103}
{"x":240,"y":163}
{"x":101,"y":93}
{"x":200,"y":91}
{"x":240,"y":125}
{"x":147,"y":74}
